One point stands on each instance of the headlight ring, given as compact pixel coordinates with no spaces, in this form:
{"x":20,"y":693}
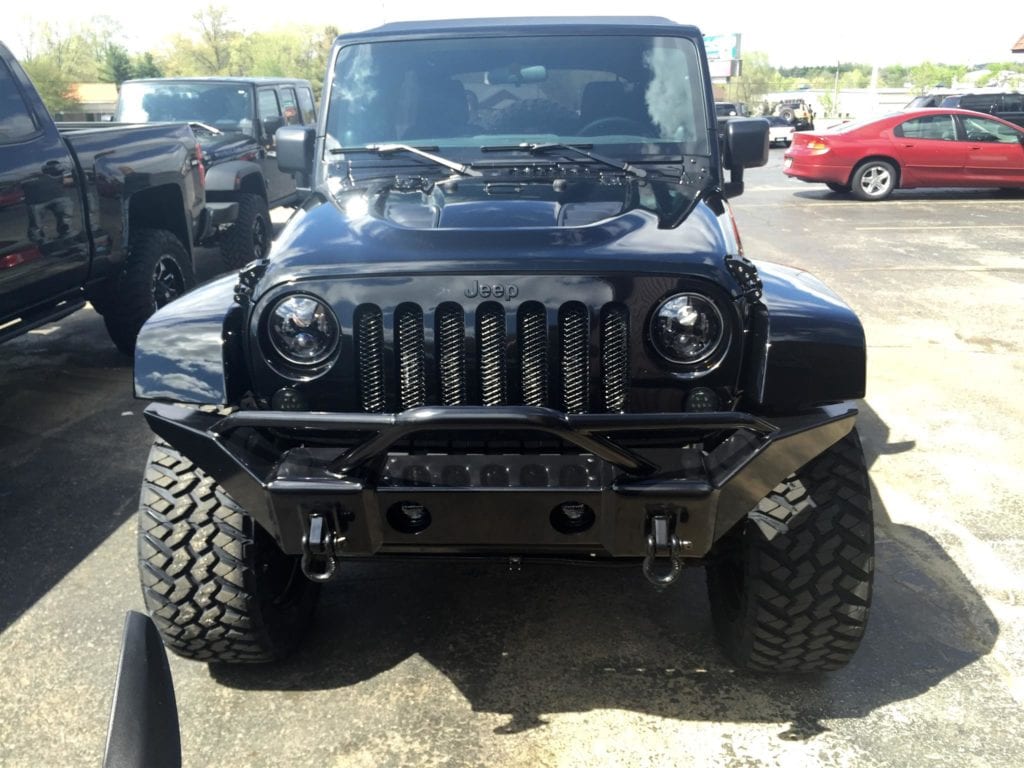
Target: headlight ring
{"x":687,"y":329}
{"x":303,"y":330}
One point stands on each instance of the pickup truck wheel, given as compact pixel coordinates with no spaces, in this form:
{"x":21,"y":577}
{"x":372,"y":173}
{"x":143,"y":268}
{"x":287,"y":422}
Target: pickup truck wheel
{"x":216,"y":584}
{"x":158,"y":270}
{"x":874,"y":180}
{"x":790,"y":587}
{"x":249,"y":237}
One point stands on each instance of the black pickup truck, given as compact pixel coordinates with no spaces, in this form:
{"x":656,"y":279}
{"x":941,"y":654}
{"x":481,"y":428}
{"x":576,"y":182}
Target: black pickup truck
{"x":234,"y":119}
{"x":92,"y":213}
{"x":513,"y":319}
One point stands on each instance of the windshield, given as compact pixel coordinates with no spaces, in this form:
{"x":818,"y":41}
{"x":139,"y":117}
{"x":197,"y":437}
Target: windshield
{"x":635,"y":96}
{"x":225,"y":106}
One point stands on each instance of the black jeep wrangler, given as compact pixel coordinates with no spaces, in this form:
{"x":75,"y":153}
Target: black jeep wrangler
{"x":513,"y":319}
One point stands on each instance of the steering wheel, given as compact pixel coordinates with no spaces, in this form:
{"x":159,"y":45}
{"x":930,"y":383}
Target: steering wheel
{"x":612,"y":125}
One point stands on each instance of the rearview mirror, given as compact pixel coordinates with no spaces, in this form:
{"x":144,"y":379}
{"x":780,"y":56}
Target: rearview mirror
{"x":516,"y":75}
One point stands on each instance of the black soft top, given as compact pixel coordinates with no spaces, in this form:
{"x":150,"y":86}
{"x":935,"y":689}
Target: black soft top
{"x":607,"y":25}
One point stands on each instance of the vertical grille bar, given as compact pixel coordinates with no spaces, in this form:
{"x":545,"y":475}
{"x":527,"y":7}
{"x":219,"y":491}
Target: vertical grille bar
{"x":490,"y":322}
{"x":574,"y":338}
{"x":614,"y":358}
{"x":412,"y":383}
{"x":370,"y":354}
{"x":451,"y":354}
{"x":533,"y":354}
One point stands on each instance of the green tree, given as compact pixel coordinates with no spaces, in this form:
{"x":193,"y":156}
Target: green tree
{"x":144,"y":65}
{"x":758,"y":78}
{"x":117,"y":64}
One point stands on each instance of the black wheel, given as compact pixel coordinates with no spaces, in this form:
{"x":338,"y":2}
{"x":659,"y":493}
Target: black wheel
{"x":790,"y":588}
{"x":839,"y":189}
{"x":216,"y":584}
{"x":157,"y":271}
{"x":874,"y":180}
{"x":249,"y":237}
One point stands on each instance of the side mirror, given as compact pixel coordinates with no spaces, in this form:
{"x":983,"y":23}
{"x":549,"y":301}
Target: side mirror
{"x":270,"y":126}
{"x":295,"y":152}
{"x":744,"y":145}
{"x":143,"y":727}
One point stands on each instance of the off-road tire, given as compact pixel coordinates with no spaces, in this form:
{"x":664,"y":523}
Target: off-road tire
{"x":874,"y":180}
{"x":790,"y":587}
{"x":216,"y":584}
{"x":250,"y":236}
{"x":157,"y":270}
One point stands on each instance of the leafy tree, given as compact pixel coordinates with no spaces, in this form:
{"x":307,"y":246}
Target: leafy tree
{"x":144,"y":65}
{"x":117,"y":64}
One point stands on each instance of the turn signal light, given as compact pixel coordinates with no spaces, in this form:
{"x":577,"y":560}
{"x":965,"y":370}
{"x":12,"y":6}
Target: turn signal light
{"x":817,"y":145}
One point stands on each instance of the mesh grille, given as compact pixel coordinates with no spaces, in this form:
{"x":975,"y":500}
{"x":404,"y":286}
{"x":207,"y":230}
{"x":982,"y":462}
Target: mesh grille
{"x":615,"y":359}
{"x":536,"y":364}
{"x":370,"y":351}
{"x":491,"y":338}
{"x":574,"y":333}
{"x":533,"y":346}
{"x":412,"y":385}
{"x":451,"y":354}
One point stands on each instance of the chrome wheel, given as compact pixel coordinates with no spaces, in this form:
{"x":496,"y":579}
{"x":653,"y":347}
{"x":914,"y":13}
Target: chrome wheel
{"x":874,"y":180}
{"x":168,"y":282}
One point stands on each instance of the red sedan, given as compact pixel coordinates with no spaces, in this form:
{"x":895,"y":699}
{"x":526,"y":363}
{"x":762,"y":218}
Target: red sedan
{"x":917,"y":148}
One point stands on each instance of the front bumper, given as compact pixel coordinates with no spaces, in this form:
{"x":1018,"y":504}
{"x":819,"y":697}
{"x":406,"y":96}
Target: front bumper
{"x":352,"y":471}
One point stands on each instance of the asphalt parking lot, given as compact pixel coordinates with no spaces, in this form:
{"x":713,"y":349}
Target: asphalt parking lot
{"x":440,"y":664}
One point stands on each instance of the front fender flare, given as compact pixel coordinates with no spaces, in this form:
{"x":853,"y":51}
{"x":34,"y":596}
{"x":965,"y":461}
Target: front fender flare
{"x":225,"y":180}
{"x":190,"y":351}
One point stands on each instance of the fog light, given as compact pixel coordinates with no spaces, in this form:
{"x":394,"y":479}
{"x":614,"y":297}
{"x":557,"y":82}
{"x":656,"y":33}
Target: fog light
{"x":572,"y":517}
{"x":408,"y":516}
{"x":701,"y":400}
{"x":288,"y":399}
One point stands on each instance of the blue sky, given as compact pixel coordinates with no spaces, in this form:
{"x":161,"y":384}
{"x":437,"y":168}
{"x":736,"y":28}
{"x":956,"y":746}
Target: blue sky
{"x":790,"y":33}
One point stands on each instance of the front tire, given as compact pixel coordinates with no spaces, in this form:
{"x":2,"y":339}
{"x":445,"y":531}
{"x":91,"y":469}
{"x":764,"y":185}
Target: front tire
{"x":790,"y":587}
{"x":158,"y":270}
{"x":250,"y":236}
{"x":216,"y":584}
{"x":874,"y":180}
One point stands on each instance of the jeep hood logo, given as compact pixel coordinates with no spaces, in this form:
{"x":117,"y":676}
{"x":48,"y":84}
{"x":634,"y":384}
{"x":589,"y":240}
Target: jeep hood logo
{"x":496,"y":291}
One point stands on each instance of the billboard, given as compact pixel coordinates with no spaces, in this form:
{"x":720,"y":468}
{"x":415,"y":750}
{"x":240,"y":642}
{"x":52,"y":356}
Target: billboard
{"x":724,"y":59}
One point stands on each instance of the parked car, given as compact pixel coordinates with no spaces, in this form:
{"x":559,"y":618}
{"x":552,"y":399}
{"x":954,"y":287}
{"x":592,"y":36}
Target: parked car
{"x":779,"y":131}
{"x":513,"y":321}
{"x":920,"y":148}
{"x":235,"y":119}
{"x":729,"y":109}
{"x":1008,"y":106}
{"x":92,"y":212}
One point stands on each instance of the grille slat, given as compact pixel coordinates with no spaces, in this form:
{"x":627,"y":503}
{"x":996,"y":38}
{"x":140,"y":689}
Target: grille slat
{"x":615,"y":359}
{"x":412,"y":382}
{"x":491,"y":345}
{"x":533,"y":351}
{"x":451,"y":354}
{"x":574,"y":332}
{"x":370,"y":352}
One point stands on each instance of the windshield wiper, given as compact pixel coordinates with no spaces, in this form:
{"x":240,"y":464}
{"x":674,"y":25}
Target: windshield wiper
{"x":579,"y":149}
{"x":463,"y":169}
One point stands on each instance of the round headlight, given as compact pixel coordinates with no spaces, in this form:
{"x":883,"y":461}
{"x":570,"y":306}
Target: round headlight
{"x":303,"y":330}
{"x":687,"y":328}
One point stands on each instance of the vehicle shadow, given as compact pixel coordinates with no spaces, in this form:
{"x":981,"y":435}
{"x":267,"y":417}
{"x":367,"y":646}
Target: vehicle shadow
{"x":74,"y":446}
{"x":821,"y":192}
{"x":554,"y":639}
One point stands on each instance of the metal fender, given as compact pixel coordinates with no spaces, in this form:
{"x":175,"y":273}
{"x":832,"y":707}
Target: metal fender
{"x":190,"y":351}
{"x":235,"y":176}
{"x":809,"y":344}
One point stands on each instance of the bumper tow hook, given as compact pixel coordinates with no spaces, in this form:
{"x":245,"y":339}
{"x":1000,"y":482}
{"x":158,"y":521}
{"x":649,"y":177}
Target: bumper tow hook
{"x":663,"y":542}
{"x":319,"y":549}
